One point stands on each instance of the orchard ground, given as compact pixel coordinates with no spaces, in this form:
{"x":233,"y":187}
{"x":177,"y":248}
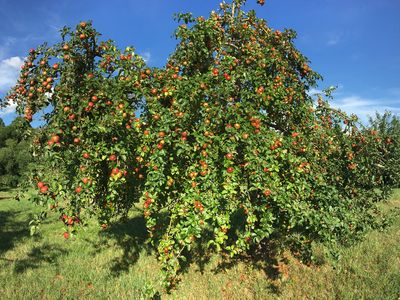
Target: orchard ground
{"x":114,"y":263}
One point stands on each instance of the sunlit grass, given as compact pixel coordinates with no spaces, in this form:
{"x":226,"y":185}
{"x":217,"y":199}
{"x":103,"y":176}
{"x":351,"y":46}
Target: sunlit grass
{"x":116,"y":264}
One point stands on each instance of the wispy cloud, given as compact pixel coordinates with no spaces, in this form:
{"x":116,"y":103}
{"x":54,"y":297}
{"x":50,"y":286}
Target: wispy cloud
{"x":14,"y":45}
{"x":313,"y":91}
{"x":334,"y":39}
{"x":394,"y":91}
{"x":364,"y":107}
{"x":6,"y":43}
{"x":146,"y":56}
{"x":354,"y":102}
{"x":9,"y":70}
{"x":335,"y":90}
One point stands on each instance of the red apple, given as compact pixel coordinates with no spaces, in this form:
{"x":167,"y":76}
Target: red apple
{"x":295,"y":134}
{"x":267,"y":192}
{"x":229,"y":156}
{"x":227,"y":76}
{"x":55,"y":138}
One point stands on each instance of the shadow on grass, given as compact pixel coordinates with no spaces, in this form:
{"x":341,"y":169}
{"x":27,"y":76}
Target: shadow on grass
{"x":6,"y":193}
{"x":264,"y":257}
{"x":11,"y":230}
{"x":129,"y":235}
{"x":37,"y":256}
{"x":14,"y":230}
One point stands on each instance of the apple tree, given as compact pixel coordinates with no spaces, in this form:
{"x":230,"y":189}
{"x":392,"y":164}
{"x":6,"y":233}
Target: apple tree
{"x":224,"y":147}
{"x":240,"y":154}
{"x":89,"y":93}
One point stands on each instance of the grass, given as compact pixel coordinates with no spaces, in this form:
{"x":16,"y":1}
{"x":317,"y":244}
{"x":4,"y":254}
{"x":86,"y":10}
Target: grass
{"x":117,"y":264}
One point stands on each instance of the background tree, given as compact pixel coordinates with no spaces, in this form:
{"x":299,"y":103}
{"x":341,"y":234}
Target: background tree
{"x":385,"y":128}
{"x":15,"y":153}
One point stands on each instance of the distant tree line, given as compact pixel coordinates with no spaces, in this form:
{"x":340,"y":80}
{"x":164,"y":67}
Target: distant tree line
{"x":15,"y":155}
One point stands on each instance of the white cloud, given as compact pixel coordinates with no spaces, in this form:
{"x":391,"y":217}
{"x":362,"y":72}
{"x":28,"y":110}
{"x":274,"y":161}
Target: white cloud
{"x":9,"y":71}
{"x":10,"y":109}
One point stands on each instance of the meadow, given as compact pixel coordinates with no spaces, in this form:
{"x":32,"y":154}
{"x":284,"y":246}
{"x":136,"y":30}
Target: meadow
{"x":116,"y":263}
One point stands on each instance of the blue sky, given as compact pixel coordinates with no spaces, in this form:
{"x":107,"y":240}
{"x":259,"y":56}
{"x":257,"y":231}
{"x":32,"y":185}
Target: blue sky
{"x":354,"y":44}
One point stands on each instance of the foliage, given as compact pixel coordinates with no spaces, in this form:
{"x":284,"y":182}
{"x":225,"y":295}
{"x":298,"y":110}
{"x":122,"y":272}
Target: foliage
{"x":230,"y":152}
